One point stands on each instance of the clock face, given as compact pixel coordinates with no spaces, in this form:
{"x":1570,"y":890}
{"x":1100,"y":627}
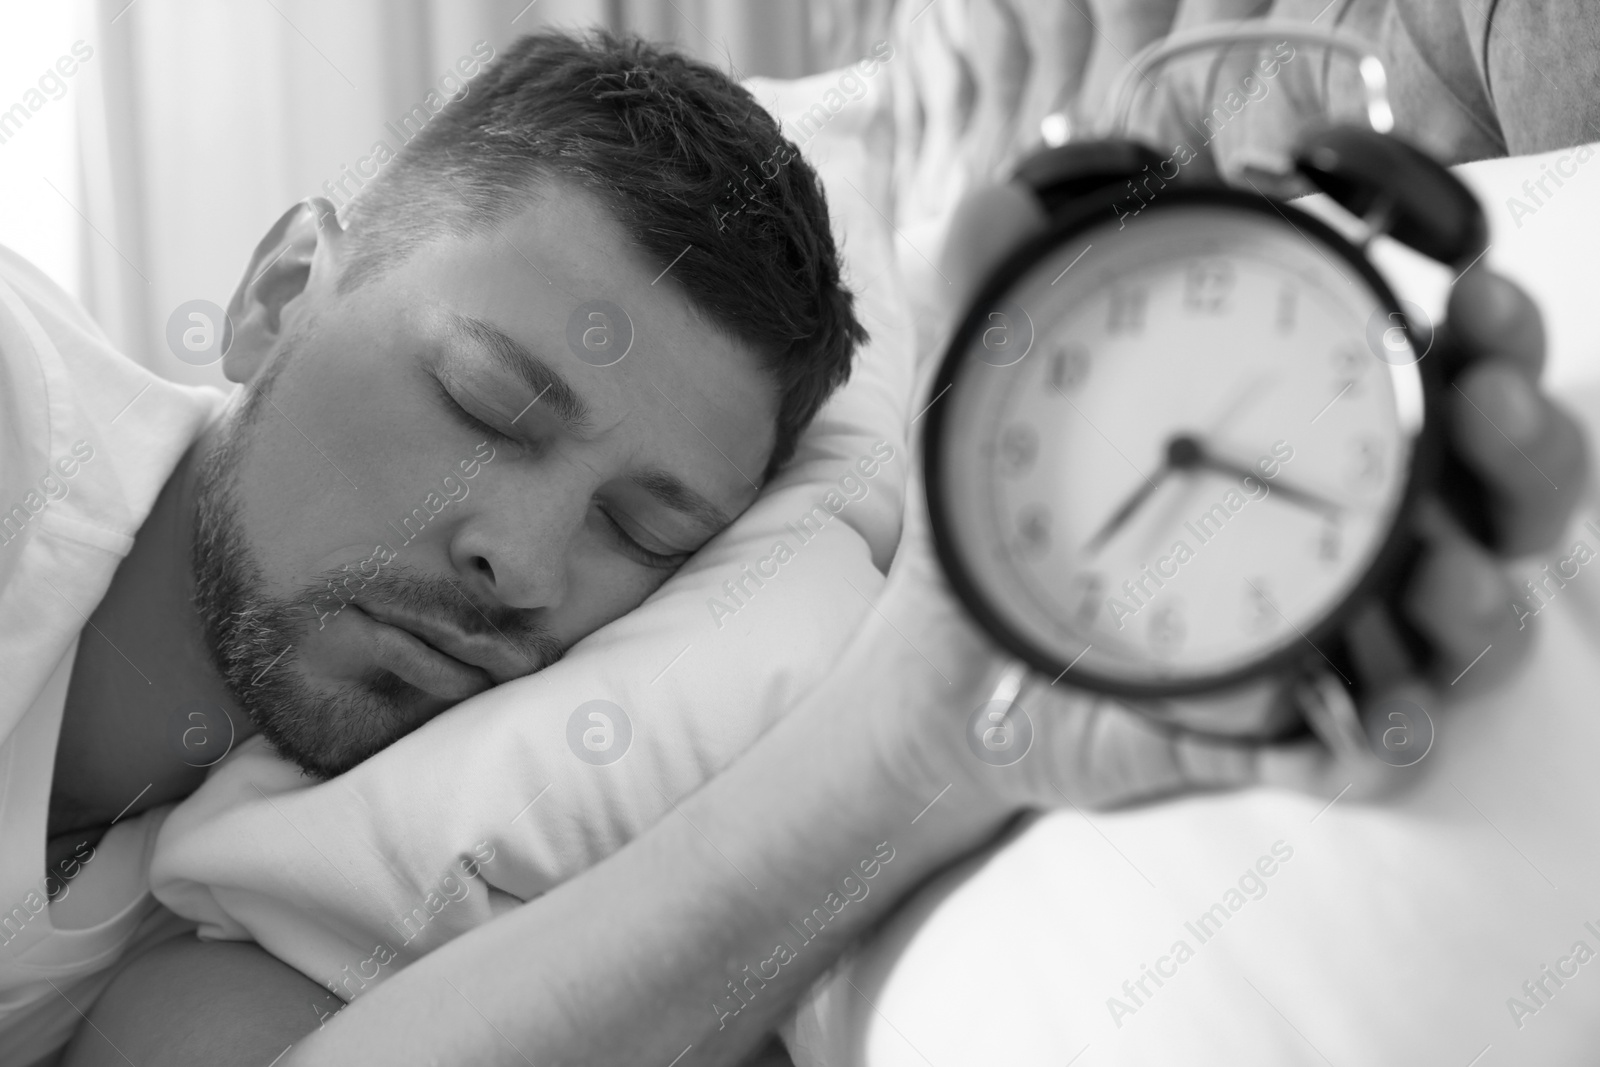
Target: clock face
{"x":1171,"y":451}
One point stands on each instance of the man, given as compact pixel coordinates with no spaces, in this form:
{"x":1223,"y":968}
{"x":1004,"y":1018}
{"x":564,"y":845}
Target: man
{"x":423,"y":377}
{"x":452,"y":285}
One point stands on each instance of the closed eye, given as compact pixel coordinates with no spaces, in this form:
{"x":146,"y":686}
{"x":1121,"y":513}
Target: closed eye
{"x":466,"y":418}
{"x":623,"y":540}
{"x":633,"y":548}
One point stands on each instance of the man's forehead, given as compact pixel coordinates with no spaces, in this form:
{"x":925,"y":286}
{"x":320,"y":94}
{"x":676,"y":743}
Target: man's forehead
{"x":562,"y":256}
{"x":566,"y":236}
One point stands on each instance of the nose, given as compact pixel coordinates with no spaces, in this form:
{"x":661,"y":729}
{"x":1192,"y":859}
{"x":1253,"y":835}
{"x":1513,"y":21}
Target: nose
{"x":515,"y":548}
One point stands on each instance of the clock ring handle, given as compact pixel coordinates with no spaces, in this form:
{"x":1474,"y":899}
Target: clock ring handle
{"x":1157,"y":54}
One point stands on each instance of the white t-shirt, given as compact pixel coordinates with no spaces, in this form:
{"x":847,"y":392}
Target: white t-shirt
{"x":87,"y":440}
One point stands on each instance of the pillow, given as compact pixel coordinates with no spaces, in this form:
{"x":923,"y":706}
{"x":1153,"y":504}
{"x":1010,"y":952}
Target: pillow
{"x":516,"y":790}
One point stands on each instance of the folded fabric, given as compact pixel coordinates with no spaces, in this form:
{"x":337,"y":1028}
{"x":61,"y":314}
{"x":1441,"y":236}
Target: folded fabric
{"x":520,"y":788}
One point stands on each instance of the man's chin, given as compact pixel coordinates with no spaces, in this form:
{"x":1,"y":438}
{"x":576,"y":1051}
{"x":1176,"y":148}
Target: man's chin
{"x":327,"y":728}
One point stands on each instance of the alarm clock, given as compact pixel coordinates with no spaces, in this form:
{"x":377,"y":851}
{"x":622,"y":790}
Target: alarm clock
{"x":1178,"y":438}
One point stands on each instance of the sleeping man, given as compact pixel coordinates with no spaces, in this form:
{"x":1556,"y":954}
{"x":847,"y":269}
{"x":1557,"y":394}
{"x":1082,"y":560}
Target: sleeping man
{"x":433,"y":478}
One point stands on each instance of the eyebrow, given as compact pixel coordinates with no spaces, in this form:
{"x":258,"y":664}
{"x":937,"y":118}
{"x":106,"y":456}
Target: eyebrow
{"x":547,"y":384}
{"x":573,"y":411}
{"x":671,"y":491}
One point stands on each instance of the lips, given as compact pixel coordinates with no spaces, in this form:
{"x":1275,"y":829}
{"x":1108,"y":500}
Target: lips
{"x":443,"y":652}
{"x":409,"y":658}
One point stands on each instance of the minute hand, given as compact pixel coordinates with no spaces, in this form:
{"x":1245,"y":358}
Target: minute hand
{"x":1303,"y":497}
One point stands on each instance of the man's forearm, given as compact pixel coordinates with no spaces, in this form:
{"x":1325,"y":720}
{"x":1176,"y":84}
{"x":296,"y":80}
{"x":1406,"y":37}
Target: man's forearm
{"x":701,"y":932}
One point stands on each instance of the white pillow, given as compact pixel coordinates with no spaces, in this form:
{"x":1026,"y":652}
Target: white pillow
{"x":503,"y":797}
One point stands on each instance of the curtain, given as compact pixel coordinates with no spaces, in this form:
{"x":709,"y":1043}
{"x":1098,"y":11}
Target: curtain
{"x":200,"y":122}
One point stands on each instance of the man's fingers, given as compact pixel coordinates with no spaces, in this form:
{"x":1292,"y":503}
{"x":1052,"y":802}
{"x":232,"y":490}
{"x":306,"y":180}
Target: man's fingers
{"x":1530,"y":454}
{"x":1102,"y":753}
{"x":1490,"y":317}
{"x":1306,"y":766}
{"x":1096,"y":752}
{"x":1462,"y":600}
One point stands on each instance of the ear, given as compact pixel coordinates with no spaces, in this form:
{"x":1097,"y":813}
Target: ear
{"x":988,"y":224}
{"x":306,"y":235}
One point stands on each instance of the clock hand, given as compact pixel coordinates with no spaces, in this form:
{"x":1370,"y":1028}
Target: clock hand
{"x":1243,"y":397}
{"x":1304,"y":497}
{"x":1125,"y":512}
{"x":1187,"y":453}
{"x":1182,"y":453}
{"x":1242,"y":401}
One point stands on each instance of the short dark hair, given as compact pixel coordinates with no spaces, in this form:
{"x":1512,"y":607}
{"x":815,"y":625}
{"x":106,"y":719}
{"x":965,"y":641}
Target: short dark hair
{"x":680,"y":154}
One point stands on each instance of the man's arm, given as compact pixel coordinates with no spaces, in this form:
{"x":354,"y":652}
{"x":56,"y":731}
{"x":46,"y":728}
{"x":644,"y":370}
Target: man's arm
{"x":216,"y":1003}
{"x":191,"y":1002}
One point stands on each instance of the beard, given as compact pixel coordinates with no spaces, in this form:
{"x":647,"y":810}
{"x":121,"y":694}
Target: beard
{"x":251,"y":633}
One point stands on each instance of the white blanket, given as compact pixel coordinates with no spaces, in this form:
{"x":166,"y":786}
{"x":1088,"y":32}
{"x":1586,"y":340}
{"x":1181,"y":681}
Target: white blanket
{"x":1399,"y":933}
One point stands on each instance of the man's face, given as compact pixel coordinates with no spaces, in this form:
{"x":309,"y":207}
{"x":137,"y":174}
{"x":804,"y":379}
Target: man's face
{"x":432,"y":493}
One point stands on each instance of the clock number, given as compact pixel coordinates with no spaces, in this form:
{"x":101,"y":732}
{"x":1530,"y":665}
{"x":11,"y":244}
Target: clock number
{"x":1349,"y":364}
{"x":1329,"y":542}
{"x":1167,"y":629}
{"x":1207,"y":285}
{"x":1087,"y":596}
{"x":1288,"y":308}
{"x":1019,"y":446}
{"x":1260,"y":615}
{"x":1069,"y":368}
{"x":1033,"y":530}
{"x":1366,"y":460}
{"x":1126,"y":311}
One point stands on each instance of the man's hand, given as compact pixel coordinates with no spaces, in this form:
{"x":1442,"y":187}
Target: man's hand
{"x":1532,"y":460}
{"x":1095,"y":750}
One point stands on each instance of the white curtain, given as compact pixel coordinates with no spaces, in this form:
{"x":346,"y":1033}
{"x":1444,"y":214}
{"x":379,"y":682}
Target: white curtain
{"x":199,"y":122}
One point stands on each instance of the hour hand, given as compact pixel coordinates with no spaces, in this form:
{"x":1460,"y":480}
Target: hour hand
{"x":1125,"y":512}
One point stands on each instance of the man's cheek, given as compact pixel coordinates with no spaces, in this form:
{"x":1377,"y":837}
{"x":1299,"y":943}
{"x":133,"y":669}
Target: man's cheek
{"x":602,"y":588}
